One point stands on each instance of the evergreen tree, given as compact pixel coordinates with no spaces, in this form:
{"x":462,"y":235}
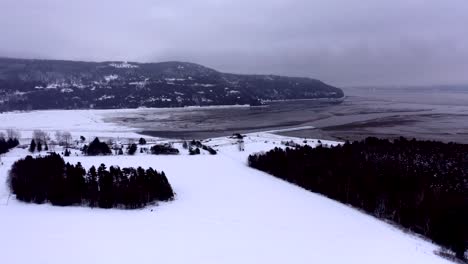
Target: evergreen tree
{"x":12,"y":142}
{"x":92,"y":187}
{"x":97,"y":147}
{"x":195,"y":151}
{"x":132,"y":149}
{"x":165,"y":192}
{"x":32,"y":146}
{"x":4,"y":146}
{"x":39,"y":146}
{"x":105,"y":188}
{"x":84,"y":150}
{"x":133,"y":188}
{"x":67,"y":153}
{"x":76,"y":183}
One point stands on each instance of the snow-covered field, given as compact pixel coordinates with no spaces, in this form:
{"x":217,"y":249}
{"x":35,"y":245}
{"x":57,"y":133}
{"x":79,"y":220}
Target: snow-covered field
{"x":224,"y":212}
{"x":77,"y":122}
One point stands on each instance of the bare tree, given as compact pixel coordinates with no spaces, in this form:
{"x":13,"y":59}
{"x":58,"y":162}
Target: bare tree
{"x":58,"y":136}
{"x":52,"y":145}
{"x":241,"y":145}
{"x":13,"y":133}
{"x":67,"y":138}
{"x":40,"y":136}
{"x":63,"y":138}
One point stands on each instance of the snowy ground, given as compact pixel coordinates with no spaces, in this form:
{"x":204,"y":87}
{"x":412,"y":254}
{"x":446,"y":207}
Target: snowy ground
{"x":224,"y":212}
{"x":77,"y":122}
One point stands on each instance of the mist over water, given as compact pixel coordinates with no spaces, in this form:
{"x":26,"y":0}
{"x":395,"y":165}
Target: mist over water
{"x":434,"y":113}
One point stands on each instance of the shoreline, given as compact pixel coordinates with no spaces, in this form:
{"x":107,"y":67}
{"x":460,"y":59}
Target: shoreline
{"x":188,"y":107}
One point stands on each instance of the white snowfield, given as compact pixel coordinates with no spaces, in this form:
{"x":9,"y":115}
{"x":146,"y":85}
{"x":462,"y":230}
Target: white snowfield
{"x":224,"y":212}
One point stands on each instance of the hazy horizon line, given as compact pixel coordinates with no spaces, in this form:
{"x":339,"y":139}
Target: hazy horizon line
{"x":351,"y":86}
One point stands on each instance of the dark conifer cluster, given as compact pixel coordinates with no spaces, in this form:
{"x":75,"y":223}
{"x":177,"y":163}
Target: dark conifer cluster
{"x":198,"y":144}
{"x":49,"y":179}
{"x":420,"y":185}
{"x":194,"y":151}
{"x":132,"y":148}
{"x":142,"y":141}
{"x":6,"y":145}
{"x":209,"y":149}
{"x":164,"y":149}
{"x":39,"y":146}
{"x":96,"y":148}
{"x":195,"y":145}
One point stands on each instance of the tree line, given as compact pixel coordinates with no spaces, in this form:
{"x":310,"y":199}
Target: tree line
{"x":420,"y":185}
{"x":49,"y":179}
{"x":7,"y":144}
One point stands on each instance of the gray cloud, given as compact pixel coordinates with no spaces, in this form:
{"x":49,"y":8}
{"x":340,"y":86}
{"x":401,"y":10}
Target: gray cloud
{"x":352,"y":42}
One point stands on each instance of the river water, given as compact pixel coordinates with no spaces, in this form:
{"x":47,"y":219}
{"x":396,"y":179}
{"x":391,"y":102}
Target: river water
{"x":436,"y":113}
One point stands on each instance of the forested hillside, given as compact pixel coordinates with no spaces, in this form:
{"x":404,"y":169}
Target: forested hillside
{"x":48,"y":84}
{"x":420,"y":185}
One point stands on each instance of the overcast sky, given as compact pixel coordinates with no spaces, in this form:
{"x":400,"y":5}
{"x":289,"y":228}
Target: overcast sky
{"x":345,"y":43}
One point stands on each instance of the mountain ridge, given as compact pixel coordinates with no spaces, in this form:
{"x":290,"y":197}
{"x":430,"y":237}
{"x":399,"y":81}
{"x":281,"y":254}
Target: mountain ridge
{"x":63,"y":84}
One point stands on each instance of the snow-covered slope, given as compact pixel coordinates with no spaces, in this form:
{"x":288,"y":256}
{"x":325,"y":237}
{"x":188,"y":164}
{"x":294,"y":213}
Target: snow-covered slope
{"x":224,"y":212}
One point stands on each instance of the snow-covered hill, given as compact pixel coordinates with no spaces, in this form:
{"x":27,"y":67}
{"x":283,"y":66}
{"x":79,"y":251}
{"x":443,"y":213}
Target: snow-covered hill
{"x":50,"y":84}
{"x":224,"y":212}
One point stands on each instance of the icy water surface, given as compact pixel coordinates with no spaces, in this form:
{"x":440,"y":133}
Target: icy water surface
{"x":438,"y":113}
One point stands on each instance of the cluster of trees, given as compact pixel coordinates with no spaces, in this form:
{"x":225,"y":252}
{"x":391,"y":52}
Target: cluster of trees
{"x":194,"y":151}
{"x":96,"y":147}
{"x":209,"y":149}
{"x":64,"y":138}
{"x":420,"y":185}
{"x":41,"y":140}
{"x":39,"y":146}
{"x":164,"y":149}
{"x":8,"y":143}
{"x":49,"y":179}
{"x":291,"y":144}
{"x":132,"y":148}
{"x":195,"y":145}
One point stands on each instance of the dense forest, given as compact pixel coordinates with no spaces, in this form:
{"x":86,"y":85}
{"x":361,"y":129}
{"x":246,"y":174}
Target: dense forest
{"x":419,"y":185}
{"x":49,"y":179}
